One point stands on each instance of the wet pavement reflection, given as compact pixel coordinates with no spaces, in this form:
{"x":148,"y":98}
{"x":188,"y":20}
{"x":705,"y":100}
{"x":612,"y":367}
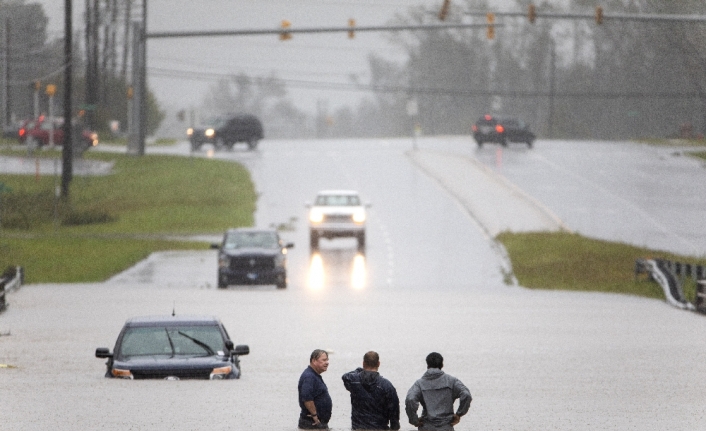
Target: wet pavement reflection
{"x":336,"y":267}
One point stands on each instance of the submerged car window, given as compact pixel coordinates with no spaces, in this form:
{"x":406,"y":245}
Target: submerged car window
{"x":155,"y":340}
{"x":338,"y":200}
{"x":251,"y":239}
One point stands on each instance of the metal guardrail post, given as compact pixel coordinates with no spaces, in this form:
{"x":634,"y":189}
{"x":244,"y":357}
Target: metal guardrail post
{"x":3,"y":303}
{"x":8,"y":283}
{"x":701,"y":295}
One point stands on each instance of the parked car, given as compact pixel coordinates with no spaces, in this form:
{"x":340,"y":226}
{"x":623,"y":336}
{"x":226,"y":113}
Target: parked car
{"x":502,"y":130}
{"x":226,"y":132}
{"x":337,"y":214}
{"x":36,"y":133}
{"x":252,"y":256}
{"x":173,"y":348}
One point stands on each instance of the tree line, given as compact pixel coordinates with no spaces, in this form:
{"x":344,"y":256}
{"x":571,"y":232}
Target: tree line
{"x":101,"y":63}
{"x":569,"y":79}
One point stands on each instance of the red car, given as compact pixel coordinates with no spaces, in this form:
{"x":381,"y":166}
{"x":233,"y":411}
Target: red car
{"x":35,"y":133}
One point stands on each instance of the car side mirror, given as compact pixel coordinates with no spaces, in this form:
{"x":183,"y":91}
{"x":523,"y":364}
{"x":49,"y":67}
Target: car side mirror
{"x":103,"y":352}
{"x":289,"y":245}
{"x":215,"y":246}
{"x":241,"y":349}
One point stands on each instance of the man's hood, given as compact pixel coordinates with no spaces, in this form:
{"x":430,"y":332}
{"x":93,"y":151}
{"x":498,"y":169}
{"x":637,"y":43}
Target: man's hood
{"x":368,"y":378}
{"x":432,"y":374}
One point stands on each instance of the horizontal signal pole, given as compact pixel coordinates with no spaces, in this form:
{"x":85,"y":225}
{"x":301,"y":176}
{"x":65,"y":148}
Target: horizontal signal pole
{"x":606,"y":16}
{"x":311,"y":30}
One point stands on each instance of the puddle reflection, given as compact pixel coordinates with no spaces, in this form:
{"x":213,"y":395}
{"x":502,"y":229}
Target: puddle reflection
{"x":337,"y":267}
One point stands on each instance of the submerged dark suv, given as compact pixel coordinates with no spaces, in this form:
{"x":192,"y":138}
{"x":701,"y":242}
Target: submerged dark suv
{"x":173,"y":348}
{"x":502,"y":130}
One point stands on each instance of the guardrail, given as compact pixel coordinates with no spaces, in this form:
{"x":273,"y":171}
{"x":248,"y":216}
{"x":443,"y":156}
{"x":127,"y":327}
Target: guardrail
{"x":10,"y":280}
{"x":670,"y":276}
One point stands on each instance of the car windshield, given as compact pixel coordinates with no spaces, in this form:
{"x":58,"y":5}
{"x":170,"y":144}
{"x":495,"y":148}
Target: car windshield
{"x":251,"y":240}
{"x":337,"y":200}
{"x":216,"y":122}
{"x":172,"y":341}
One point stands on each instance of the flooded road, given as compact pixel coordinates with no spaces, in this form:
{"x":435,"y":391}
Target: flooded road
{"x":430,"y":280}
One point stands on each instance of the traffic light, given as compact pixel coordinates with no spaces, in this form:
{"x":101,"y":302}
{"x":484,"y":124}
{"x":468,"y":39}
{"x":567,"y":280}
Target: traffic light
{"x":351,"y":32}
{"x":490,"y":17}
{"x":531,"y":13}
{"x":444,"y":10}
{"x":599,"y":15}
{"x":285,"y":34}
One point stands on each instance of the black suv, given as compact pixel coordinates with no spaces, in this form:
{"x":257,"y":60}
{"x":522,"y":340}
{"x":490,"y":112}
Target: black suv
{"x":173,"y":348}
{"x":252,"y":256}
{"x":226,"y":132}
{"x":502,"y":130}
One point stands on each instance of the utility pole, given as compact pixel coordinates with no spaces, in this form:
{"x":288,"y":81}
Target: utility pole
{"x":67,"y":148}
{"x":143,"y":81}
{"x":6,"y":74}
{"x":552,"y":80}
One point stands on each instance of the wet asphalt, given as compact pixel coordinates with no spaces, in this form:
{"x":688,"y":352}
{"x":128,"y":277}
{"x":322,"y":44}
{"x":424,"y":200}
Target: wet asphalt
{"x":431,"y":280}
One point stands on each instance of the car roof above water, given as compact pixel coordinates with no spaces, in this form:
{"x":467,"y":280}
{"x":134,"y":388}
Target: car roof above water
{"x":172,"y":320}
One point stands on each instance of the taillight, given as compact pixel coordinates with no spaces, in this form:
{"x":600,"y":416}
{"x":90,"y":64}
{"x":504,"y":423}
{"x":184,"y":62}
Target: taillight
{"x":499,"y":128}
{"x":475,"y":128}
{"x":488,"y":117}
{"x":22,"y":132}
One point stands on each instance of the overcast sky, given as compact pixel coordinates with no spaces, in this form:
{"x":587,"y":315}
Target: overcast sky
{"x":181,"y":70}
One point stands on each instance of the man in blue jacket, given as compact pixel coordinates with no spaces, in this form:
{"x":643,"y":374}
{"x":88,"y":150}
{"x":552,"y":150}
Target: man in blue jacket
{"x":374,"y":401}
{"x":436,"y":391}
{"x":314,"y":399}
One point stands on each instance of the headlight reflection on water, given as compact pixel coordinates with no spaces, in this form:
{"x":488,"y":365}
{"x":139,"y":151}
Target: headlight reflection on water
{"x":359,"y":272}
{"x":350,"y":271}
{"x":316,"y":272}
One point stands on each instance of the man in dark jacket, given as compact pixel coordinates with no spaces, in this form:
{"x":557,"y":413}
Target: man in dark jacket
{"x":314,"y":399}
{"x":436,"y":392}
{"x":374,"y":401}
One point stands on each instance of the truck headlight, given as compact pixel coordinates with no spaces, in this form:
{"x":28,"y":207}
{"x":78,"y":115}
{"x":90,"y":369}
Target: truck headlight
{"x":209,"y":133}
{"x":223,"y":261}
{"x":316,"y":216}
{"x":359,"y":216}
{"x":189,"y":131}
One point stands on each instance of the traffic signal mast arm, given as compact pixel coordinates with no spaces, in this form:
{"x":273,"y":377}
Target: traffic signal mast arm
{"x":593,"y":16}
{"x":304,"y":30}
{"x":425,"y":27}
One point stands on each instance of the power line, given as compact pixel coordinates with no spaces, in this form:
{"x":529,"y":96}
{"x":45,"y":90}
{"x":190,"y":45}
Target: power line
{"x":328,"y":85}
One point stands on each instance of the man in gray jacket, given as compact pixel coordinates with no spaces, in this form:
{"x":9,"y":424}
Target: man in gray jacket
{"x":437,"y":391}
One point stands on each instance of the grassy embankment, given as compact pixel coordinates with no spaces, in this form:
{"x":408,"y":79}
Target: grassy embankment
{"x":566,"y":261}
{"x":112,"y":222}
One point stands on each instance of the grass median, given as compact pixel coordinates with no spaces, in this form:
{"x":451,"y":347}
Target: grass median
{"x":111,"y":222}
{"x":567,"y":261}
